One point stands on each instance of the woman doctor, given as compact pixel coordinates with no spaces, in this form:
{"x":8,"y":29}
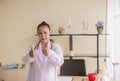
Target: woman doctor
{"x":44,"y":57}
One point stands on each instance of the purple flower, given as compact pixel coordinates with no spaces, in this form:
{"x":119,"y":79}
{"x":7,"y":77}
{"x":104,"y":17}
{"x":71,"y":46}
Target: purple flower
{"x":99,"y":24}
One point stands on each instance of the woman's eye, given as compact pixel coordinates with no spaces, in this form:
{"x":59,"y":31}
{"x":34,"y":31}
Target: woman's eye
{"x":39,"y":33}
{"x":45,"y":32}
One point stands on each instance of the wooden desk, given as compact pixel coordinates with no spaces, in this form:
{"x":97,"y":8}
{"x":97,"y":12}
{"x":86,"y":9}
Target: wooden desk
{"x":13,"y":75}
{"x":73,"y":78}
{"x":21,"y":74}
{"x":80,"y":78}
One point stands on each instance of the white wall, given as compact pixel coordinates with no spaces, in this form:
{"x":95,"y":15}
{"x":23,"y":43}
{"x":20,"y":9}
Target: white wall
{"x":19,"y":19}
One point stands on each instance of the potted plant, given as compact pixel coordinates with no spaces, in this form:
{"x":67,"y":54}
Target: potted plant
{"x":99,"y":26}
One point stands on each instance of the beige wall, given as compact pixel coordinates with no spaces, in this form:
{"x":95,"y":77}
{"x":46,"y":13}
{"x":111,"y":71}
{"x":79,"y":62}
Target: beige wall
{"x":19,"y":18}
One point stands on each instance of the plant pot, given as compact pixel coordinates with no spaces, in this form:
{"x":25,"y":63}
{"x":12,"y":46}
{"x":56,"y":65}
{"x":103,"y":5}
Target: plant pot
{"x":99,"y":30}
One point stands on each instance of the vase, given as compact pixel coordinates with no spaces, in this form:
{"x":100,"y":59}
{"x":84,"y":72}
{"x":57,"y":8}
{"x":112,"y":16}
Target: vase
{"x":99,"y":30}
{"x":61,"y":30}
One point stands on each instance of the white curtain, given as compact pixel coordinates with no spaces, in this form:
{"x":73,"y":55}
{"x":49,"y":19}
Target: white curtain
{"x":113,"y":43}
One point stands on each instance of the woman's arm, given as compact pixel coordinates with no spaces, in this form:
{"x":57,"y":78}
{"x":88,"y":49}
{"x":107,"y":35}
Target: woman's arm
{"x":29,"y":56}
{"x":56,"y":55}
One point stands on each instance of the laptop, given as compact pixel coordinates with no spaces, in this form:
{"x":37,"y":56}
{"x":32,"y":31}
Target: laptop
{"x":73,"y":67}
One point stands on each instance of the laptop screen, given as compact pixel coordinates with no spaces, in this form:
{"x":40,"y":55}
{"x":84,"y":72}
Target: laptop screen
{"x":73,"y":67}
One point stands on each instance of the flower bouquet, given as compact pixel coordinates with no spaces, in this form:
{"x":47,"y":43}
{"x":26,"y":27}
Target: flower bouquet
{"x":99,"y":26}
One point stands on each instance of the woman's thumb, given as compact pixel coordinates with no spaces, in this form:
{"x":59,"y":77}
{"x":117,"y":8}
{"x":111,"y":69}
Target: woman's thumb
{"x":32,"y":47}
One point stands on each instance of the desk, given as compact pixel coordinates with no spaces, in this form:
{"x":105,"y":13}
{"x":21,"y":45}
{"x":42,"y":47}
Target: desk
{"x":80,"y":78}
{"x":13,"y":75}
{"x":21,"y":74}
{"x":73,"y":78}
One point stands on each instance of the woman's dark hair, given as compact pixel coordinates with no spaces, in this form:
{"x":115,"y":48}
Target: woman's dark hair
{"x":43,"y":24}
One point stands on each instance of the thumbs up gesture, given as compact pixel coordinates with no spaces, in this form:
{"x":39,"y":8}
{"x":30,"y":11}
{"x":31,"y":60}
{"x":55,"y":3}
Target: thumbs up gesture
{"x":33,"y":52}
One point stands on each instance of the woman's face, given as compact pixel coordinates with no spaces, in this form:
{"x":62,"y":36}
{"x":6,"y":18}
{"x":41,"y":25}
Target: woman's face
{"x":43,"y":33}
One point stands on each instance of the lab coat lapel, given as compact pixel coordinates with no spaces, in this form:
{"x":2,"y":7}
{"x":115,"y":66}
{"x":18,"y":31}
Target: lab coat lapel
{"x":43,"y":58}
{"x":40,"y":53}
{"x":46,"y":59}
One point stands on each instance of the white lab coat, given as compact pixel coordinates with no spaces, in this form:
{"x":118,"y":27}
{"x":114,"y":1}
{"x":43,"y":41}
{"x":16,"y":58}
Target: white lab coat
{"x":44,"y":68}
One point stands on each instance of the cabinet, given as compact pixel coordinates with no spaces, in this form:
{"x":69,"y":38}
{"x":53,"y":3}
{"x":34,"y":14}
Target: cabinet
{"x":71,"y":45}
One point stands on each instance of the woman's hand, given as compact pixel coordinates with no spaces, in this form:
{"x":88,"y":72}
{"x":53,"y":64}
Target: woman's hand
{"x":33,"y":52}
{"x":45,"y":49}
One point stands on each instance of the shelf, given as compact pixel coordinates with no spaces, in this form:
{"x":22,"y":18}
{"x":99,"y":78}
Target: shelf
{"x":72,"y":57}
{"x":92,"y":56}
{"x":76,"y":34}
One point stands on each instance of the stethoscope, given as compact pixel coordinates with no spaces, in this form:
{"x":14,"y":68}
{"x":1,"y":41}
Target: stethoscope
{"x":37,"y":45}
